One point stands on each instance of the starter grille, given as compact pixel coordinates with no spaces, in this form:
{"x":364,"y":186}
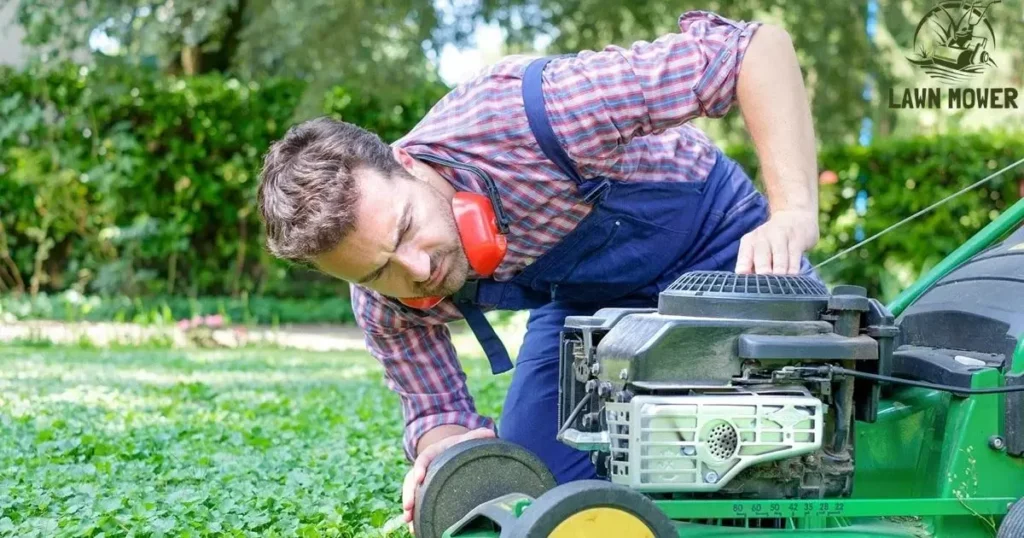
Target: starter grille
{"x":725,"y":283}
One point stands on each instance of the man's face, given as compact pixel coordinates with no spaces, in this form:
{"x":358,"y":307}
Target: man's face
{"x":405,"y":243}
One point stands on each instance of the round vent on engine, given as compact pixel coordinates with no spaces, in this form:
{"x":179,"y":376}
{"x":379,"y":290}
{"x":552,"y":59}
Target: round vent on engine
{"x":720,"y":439}
{"x":723,"y":441}
{"x":723,"y":294}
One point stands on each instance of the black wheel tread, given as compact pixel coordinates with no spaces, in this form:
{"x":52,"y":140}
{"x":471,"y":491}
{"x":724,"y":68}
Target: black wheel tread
{"x":470,"y":474}
{"x":1013,"y":523}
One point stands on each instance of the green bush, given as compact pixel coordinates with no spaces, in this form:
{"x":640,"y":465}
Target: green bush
{"x":72,"y":306}
{"x":902,"y":177}
{"x":123,"y":182}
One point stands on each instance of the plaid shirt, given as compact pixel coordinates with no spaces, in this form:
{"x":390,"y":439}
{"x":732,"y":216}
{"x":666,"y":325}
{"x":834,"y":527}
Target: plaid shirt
{"x":619,"y":113}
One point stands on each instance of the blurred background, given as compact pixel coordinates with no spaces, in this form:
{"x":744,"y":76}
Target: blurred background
{"x":132,"y":132}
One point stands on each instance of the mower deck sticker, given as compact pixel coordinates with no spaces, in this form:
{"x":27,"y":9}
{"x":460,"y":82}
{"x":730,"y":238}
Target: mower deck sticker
{"x":792,"y":509}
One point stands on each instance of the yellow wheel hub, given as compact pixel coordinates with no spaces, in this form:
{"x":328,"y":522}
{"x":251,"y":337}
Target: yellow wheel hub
{"x":601,"y":522}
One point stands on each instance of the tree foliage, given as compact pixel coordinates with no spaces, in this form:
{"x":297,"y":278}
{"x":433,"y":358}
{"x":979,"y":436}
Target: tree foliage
{"x":848,"y":74}
{"x":381,"y":47}
{"x":368,"y":45}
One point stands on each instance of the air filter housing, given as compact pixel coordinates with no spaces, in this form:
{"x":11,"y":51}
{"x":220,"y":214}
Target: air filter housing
{"x":716,"y":294}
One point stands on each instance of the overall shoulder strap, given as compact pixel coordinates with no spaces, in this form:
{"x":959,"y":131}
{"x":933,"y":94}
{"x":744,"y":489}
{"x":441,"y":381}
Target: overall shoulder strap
{"x":487,"y":292}
{"x":509,"y":295}
{"x":540,"y":125}
{"x":492,"y":345}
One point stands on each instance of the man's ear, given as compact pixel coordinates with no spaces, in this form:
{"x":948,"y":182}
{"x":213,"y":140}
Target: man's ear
{"x":422,"y":172}
{"x":405,"y":160}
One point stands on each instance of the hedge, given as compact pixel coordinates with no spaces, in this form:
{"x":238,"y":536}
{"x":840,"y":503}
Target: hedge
{"x":70,"y":306}
{"x":122,"y":182}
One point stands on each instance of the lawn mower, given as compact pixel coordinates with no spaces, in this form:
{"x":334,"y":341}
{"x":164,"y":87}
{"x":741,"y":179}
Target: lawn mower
{"x":763,"y":406}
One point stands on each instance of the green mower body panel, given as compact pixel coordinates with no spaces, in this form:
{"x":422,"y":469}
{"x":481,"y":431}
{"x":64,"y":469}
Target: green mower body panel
{"x":925,"y":468}
{"x":933,"y":464}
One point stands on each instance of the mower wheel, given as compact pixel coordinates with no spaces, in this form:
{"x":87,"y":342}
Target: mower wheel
{"x":1013,"y":523}
{"x":594,"y":509}
{"x":470,"y":474}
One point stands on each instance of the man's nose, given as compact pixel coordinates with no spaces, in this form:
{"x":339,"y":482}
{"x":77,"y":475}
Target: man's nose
{"x":416,"y":263}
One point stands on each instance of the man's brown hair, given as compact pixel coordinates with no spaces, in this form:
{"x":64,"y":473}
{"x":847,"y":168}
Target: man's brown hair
{"x":307,"y":195}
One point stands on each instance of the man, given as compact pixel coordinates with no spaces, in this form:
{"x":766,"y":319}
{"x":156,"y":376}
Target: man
{"x":607,"y":193}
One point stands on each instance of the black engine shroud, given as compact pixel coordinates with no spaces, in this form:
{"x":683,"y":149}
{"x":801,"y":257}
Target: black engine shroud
{"x":717,"y":334}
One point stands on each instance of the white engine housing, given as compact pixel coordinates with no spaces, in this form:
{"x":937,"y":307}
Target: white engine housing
{"x":700,"y":443}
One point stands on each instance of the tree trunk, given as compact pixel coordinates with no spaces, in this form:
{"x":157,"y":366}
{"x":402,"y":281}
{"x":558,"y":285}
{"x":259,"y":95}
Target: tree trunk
{"x":42,"y":253}
{"x":222,"y":58}
{"x":13,"y":273}
{"x":243,"y":237}
{"x":191,"y":60}
{"x":172,"y":270}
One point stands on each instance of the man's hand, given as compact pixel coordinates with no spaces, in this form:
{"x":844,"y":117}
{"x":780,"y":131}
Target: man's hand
{"x":778,"y":245}
{"x":430,"y":447}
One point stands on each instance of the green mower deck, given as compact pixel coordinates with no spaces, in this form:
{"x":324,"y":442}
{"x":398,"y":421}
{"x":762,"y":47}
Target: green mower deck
{"x":934,"y":464}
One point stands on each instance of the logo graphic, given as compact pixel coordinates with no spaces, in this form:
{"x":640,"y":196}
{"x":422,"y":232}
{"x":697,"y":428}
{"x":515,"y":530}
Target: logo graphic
{"x":953,"y":44}
{"x":953,"y":40}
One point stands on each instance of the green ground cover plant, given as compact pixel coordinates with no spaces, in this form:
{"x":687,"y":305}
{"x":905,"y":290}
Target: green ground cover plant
{"x":160,"y":442}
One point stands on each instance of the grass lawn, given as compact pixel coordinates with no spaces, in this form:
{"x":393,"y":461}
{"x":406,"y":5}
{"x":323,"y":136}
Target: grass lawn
{"x":158,"y":442}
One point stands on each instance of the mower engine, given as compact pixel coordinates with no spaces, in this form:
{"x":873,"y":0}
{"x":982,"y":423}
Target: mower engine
{"x":724,"y":389}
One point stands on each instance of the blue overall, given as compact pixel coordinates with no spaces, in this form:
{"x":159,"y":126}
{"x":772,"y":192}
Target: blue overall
{"x":638,"y":238}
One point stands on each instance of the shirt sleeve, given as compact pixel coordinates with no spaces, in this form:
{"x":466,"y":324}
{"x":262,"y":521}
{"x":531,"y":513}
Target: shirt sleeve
{"x":420,"y":365}
{"x":598,"y":101}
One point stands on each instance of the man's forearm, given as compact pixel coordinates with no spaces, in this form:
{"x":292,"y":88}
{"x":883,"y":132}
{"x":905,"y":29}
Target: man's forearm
{"x":775,"y":107}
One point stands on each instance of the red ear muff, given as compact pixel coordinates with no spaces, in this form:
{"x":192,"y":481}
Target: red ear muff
{"x":484,"y":244}
{"x":422,"y":303}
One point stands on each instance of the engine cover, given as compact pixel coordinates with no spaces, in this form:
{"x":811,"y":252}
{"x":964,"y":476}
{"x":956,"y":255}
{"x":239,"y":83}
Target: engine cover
{"x":701,"y":443}
{"x":715,"y":391}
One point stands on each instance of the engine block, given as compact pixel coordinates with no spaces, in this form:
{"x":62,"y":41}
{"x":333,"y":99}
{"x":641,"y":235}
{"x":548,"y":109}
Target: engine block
{"x":717,"y":392}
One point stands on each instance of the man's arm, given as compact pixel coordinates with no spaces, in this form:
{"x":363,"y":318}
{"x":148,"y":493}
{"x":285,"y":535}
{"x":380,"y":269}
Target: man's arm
{"x":776,"y":110}
{"x":421,"y":366}
{"x":600,"y":101}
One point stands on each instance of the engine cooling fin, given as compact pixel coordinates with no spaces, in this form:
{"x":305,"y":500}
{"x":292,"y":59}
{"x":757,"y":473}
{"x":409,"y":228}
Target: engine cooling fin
{"x":724,"y":294}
